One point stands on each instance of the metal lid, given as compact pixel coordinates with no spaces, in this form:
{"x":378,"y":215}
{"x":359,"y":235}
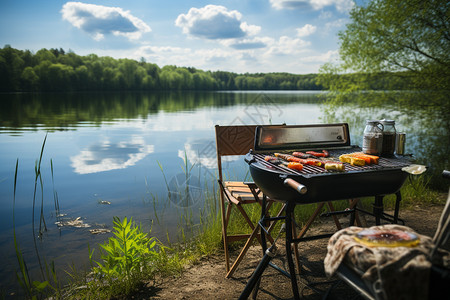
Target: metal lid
{"x":372,"y":122}
{"x":298,"y":137}
{"x":387,"y":122}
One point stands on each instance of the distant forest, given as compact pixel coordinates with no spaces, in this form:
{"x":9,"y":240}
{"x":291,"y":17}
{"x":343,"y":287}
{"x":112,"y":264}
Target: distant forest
{"x":56,"y":70}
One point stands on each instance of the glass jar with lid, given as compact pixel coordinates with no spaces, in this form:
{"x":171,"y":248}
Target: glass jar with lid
{"x":389,"y":135}
{"x":373,"y":137}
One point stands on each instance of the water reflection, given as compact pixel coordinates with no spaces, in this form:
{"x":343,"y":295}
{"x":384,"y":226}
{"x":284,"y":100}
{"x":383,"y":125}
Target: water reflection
{"x":202,"y":153}
{"x":56,"y":112}
{"x":107,"y":156}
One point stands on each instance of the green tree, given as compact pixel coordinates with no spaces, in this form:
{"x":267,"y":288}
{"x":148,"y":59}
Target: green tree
{"x":392,"y":44}
{"x":405,"y":41}
{"x":82,"y":78}
{"x":29,"y":79}
{"x":61,"y":77}
{"x":45,"y":54}
{"x":11,"y":65}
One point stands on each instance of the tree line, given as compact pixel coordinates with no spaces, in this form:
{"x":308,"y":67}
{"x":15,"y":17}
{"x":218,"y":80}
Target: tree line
{"x":53,"y":70}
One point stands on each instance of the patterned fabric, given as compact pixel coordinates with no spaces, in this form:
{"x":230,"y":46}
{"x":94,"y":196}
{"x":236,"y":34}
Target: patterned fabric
{"x":392,"y":272}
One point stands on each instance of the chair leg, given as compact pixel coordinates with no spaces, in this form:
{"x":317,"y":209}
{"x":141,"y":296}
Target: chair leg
{"x":310,"y":220}
{"x":242,"y":253}
{"x":303,"y":232}
{"x":335,"y":218}
{"x":354,"y":216}
{"x":225,"y":235}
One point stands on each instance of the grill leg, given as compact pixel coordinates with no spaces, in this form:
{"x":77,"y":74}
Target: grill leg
{"x":397,"y":206}
{"x":268,"y":254}
{"x":378,"y":209}
{"x":256,"y":276}
{"x":289,"y":215}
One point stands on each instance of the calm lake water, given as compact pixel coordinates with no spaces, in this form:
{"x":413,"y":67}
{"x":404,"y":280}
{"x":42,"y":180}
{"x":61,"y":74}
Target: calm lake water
{"x":121,"y":154}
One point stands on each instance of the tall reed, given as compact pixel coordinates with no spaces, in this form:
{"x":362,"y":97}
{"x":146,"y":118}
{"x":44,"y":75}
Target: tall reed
{"x":35,"y":288}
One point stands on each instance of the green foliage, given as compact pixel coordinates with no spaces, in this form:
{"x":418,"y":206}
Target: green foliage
{"x":57,"y":70}
{"x":127,"y":255}
{"x":393,"y":45}
{"x":395,"y":58}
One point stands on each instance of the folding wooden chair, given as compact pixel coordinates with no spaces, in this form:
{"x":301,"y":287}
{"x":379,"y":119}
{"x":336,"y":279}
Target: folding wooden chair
{"x":231,"y":141}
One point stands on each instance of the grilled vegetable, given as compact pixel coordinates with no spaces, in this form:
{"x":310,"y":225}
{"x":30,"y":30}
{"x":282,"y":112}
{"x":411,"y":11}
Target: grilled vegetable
{"x":368,"y":159}
{"x":334,"y":166}
{"x":295,"y":166}
{"x":354,"y":161}
{"x":373,"y":159}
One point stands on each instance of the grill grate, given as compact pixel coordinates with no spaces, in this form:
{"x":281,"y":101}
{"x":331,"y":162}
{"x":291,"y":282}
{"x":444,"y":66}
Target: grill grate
{"x":308,"y":170}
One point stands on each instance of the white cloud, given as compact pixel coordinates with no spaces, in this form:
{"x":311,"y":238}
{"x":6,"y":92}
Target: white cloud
{"x":145,"y":51}
{"x":288,"y":46}
{"x":306,"y":30}
{"x":322,"y":58}
{"x":98,"y":20}
{"x":250,"y":29}
{"x":339,"y":23}
{"x":341,"y":5}
{"x":215,"y":22}
{"x":107,"y":156}
{"x":245,"y":44}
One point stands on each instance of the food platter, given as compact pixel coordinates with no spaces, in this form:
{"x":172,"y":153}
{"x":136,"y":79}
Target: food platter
{"x":387,"y":238}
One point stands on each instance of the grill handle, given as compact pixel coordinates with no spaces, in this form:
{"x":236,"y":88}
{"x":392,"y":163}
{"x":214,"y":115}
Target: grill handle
{"x":300,"y":188}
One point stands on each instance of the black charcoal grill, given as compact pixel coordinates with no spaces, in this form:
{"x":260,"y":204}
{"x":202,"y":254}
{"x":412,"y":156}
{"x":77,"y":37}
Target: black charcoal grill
{"x":315,"y":184}
{"x":383,"y":178}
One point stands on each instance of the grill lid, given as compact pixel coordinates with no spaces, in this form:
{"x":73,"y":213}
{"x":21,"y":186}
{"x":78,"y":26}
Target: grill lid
{"x":301,"y":137}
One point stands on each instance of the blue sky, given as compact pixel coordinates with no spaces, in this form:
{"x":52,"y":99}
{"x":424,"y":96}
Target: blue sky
{"x":295,"y":36}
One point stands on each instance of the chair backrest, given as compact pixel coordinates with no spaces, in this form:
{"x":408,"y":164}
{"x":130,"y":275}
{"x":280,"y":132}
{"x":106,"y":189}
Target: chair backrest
{"x":233,"y":140}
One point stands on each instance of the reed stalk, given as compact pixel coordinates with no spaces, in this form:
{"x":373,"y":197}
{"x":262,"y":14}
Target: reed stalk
{"x":23,"y":275}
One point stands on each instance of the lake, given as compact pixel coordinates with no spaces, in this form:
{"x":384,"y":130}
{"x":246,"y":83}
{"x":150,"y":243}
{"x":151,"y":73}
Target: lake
{"x":124,"y":154}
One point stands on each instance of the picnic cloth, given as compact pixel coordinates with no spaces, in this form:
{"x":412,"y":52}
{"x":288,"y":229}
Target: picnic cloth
{"x":393,"y":272}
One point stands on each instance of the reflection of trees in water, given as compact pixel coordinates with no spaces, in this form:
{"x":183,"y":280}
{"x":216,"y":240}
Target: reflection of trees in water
{"x":60,"y":111}
{"x":424,"y":117}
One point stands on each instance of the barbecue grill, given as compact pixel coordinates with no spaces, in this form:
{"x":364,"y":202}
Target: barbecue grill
{"x":383,"y":178}
{"x":314,"y":184}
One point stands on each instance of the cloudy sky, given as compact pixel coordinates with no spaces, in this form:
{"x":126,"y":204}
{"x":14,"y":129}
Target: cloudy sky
{"x":295,"y":36}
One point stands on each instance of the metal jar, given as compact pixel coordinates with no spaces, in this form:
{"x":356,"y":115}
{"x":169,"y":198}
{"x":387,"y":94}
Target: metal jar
{"x":389,"y":136}
{"x":400,"y":143}
{"x":373,"y":137}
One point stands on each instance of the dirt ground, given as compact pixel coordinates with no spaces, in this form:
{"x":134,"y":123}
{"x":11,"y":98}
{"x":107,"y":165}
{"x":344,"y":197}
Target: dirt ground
{"x":206,"y":280}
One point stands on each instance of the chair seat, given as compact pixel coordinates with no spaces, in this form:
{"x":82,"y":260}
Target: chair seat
{"x":240,"y":192}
